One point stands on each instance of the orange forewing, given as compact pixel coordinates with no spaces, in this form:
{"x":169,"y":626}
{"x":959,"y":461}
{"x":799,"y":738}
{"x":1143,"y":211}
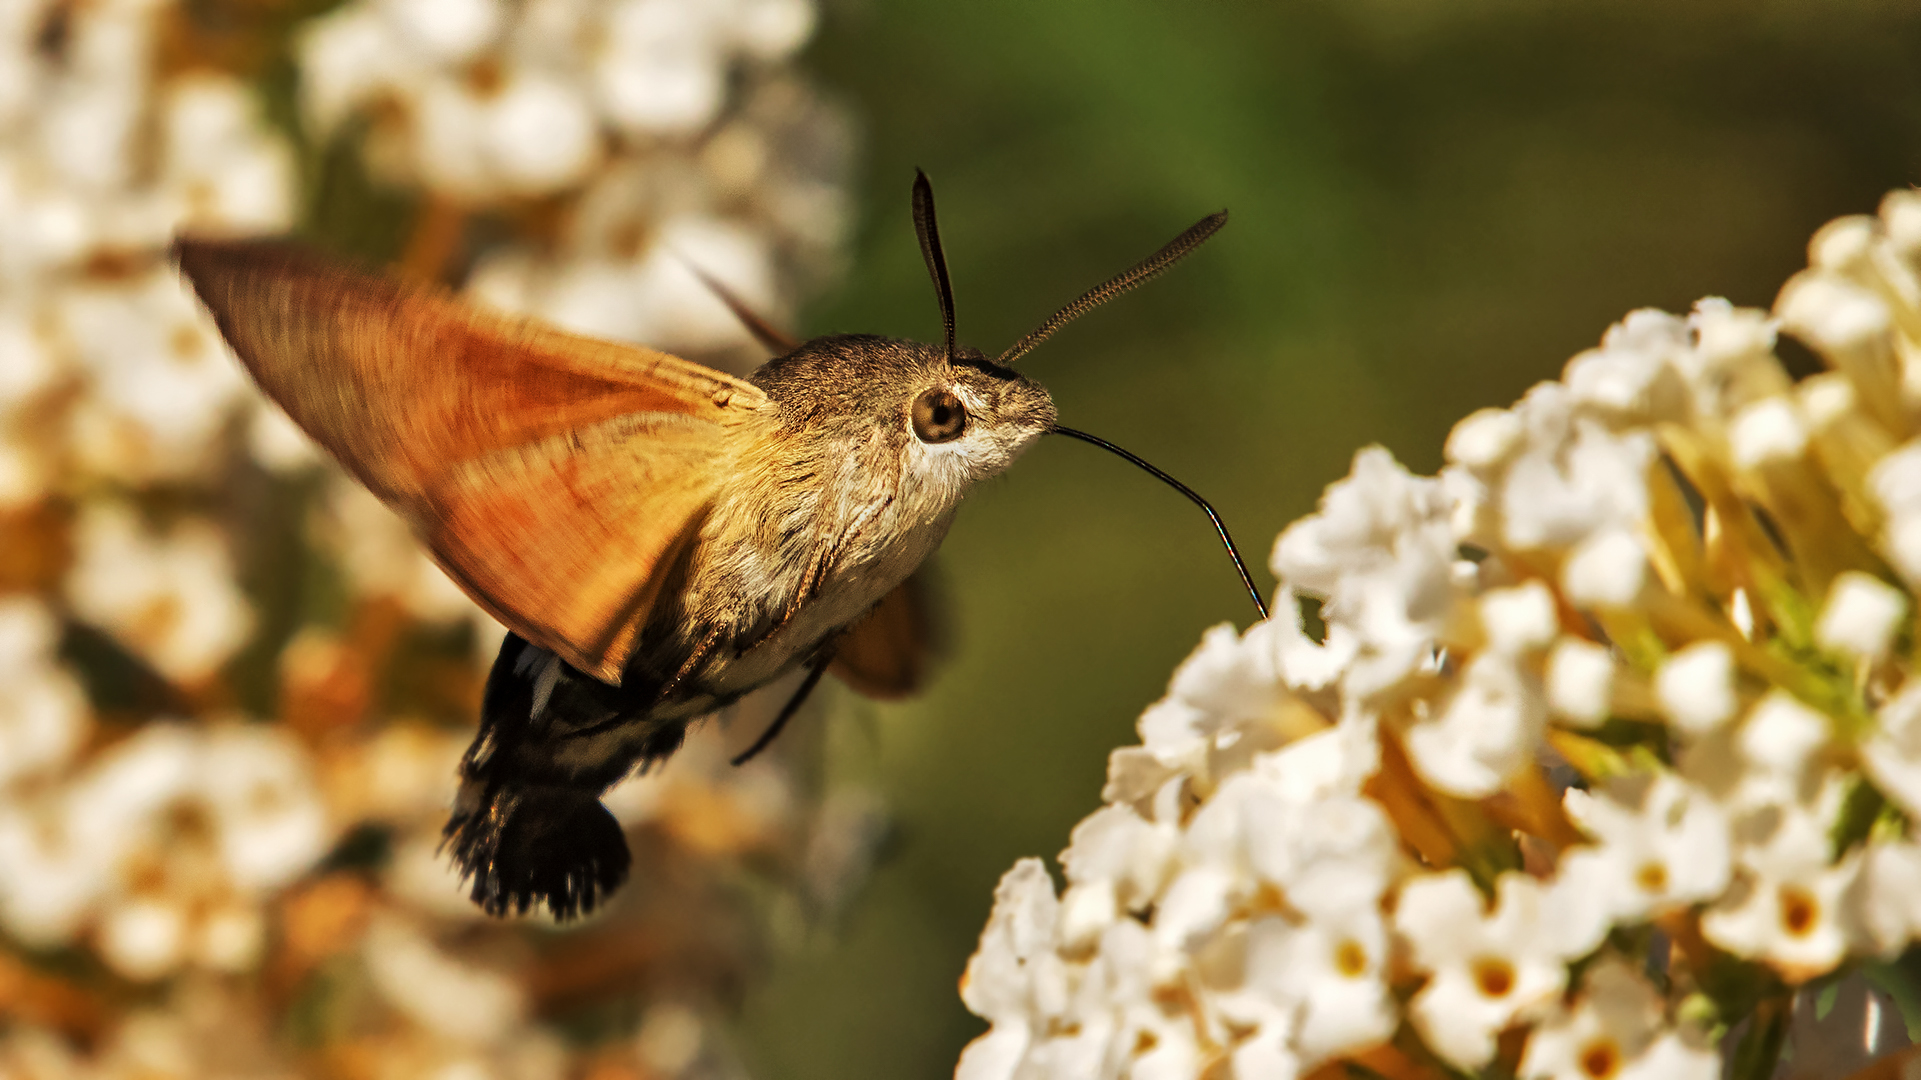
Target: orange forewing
{"x":888,"y":654}
{"x":555,"y":477}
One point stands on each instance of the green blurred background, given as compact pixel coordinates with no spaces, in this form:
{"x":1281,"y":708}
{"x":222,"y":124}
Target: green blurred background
{"x":1434,"y":205}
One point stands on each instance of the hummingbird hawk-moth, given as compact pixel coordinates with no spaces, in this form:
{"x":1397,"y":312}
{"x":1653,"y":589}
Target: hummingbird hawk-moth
{"x":658,"y":538}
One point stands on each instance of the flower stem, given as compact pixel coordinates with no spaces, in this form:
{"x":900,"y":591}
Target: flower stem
{"x":439,"y":229}
{"x":1760,"y":1046}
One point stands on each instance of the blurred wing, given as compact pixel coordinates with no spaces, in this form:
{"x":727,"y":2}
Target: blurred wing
{"x":889,"y":652}
{"x":556,"y":478}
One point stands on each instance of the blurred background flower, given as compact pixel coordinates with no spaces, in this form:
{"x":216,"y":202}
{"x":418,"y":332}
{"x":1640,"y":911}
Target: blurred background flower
{"x":236,"y":689}
{"x":1434,"y":204}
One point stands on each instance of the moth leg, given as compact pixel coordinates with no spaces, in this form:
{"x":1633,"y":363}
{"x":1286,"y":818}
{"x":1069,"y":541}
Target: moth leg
{"x":687,"y":667}
{"x":528,"y":827}
{"x":816,"y":577}
{"x":787,"y":711}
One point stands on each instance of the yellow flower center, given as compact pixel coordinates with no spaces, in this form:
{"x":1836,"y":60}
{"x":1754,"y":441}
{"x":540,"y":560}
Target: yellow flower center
{"x":1494,"y":976}
{"x":1652,"y":877}
{"x":1600,"y":1059}
{"x":1799,"y":911}
{"x":1350,"y":959}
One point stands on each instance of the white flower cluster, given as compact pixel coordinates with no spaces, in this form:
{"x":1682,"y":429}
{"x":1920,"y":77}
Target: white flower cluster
{"x":111,"y":377}
{"x":1678,"y":578}
{"x":625,"y":110}
{"x":181,"y":886}
{"x":102,"y":158}
{"x":162,"y":849}
{"x":490,"y":99}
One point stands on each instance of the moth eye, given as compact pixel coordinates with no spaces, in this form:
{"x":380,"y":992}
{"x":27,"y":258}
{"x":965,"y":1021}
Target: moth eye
{"x":939,"y":416}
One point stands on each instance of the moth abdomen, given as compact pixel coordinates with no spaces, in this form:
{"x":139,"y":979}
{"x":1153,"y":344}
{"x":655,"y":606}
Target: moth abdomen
{"x":528,"y":826}
{"x":525,"y":844}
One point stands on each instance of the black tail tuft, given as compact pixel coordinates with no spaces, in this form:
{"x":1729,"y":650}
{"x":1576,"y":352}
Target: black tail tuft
{"x":523,"y":845}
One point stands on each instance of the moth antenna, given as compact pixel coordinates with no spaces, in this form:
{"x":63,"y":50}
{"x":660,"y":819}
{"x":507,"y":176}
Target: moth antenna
{"x":1232,"y":551}
{"x":929,"y":233}
{"x":1107,"y":290}
{"x":771,"y":337}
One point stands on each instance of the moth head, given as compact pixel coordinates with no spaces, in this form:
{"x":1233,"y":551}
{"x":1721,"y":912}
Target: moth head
{"x":981,"y":413}
{"x":947,"y":414}
{"x":949,"y":422}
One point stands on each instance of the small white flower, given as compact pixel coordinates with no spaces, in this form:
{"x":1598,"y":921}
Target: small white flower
{"x":1695,"y":687}
{"x":50,"y":878}
{"x":1830,"y":313}
{"x":1614,"y":1031}
{"x":161,"y":384}
{"x":224,"y":168}
{"x":1330,"y":856}
{"x":1485,"y":438}
{"x":112,"y":807}
{"x":1891,"y":895}
{"x":1229,"y":681}
{"x":1827,"y":399}
{"x":1117,"y":846}
{"x":541,"y":135}
{"x":1362,"y":521}
{"x":1631,"y":377}
{"x":267,"y":814}
{"x":1020,"y":937}
{"x":1861,"y":616}
{"x":1663,"y":844}
{"x":1569,"y":483}
{"x":1307,"y":664}
{"x":143,"y":939}
{"x":1580,"y":681}
{"x":1791,"y":907}
{"x":171,"y":598}
{"x":1487,"y":968}
{"x":1331,"y":970}
{"x":29,"y":364}
{"x":661,"y":71}
{"x":769,"y":29}
{"x":1520,"y":619}
{"x":461,"y":1002}
{"x":1767,"y":431}
{"x":1484,"y":731}
{"x":346,"y":57}
{"x":1605,"y":570}
{"x":44,"y":715}
{"x":1195,"y":905}
{"x":1781,"y":736}
{"x":1892,"y":754}
{"x":1896,"y":481}
{"x":450,"y":31}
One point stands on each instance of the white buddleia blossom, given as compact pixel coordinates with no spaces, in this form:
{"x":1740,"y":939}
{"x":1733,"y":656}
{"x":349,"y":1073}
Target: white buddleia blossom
{"x":164,"y":847}
{"x":1631,"y":682}
{"x":1486,"y":969}
{"x":95,"y":180}
{"x":166,"y":593}
{"x":681,"y":147}
{"x":1615,"y":1028}
{"x":237,"y":691}
{"x":1661,"y":844}
{"x":44,"y":716}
